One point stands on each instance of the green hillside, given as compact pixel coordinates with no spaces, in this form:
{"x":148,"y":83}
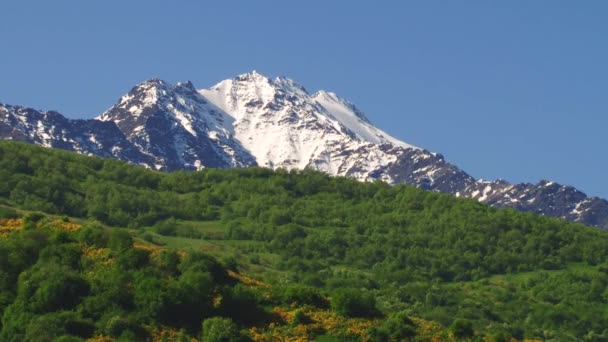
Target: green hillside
{"x":122,"y":252}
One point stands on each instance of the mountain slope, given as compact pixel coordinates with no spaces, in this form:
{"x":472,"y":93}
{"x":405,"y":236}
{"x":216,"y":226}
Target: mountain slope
{"x":177,"y":127}
{"x":353,"y":119}
{"x":254,"y":120}
{"x":284,"y":126}
{"x":51,"y":129}
{"x":369,"y":250}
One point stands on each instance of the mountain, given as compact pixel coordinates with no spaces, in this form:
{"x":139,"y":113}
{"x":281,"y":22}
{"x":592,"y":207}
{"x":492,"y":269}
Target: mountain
{"x":303,"y":255}
{"x":51,"y":129}
{"x":255,"y":120}
{"x":177,"y":127}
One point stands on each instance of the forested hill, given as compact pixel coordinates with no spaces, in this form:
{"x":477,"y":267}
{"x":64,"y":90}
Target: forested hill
{"x":401,"y":251}
{"x":253,"y":120}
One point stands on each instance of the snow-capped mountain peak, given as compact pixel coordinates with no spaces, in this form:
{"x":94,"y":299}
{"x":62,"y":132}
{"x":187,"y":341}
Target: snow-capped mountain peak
{"x":285,"y":99}
{"x":178,"y":126}
{"x":274,"y":122}
{"x":331,"y":97}
{"x":282,"y":125}
{"x":251,"y":89}
{"x":354,"y":119}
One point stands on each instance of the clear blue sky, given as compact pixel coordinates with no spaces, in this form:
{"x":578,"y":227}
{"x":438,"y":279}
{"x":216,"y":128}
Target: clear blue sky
{"x":504,"y":89}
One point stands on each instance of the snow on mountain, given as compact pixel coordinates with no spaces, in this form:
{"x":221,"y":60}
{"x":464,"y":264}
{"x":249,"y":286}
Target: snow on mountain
{"x":282,"y":125}
{"x":254,"y":120}
{"x":52,"y":129}
{"x":352,"y":118}
{"x":177,"y":127}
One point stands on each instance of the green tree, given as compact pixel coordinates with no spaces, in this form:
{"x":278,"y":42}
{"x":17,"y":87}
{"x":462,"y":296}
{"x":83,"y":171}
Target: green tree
{"x":354,"y":303}
{"x":462,"y":328}
{"x":120,"y":240}
{"x":219,"y":329}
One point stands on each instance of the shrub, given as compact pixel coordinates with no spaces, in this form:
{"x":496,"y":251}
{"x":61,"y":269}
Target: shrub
{"x":34,"y":217}
{"x":240,"y":303}
{"x":93,"y":233}
{"x":120,"y":240}
{"x":229,"y":262}
{"x":8,"y":213}
{"x":302,"y":295}
{"x":397,"y":327}
{"x":300,"y":318}
{"x":219,"y":329}
{"x":462,"y":328}
{"x":125,"y":329}
{"x":30,"y":220}
{"x":500,"y":336}
{"x":148,"y":237}
{"x":166,"y":228}
{"x":58,"y":326}
{"x":354,"y":303}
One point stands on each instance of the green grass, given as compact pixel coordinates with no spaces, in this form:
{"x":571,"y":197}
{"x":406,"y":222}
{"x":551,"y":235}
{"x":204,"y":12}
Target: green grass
{"x":251,"y":256}
{"x":209,"y":229}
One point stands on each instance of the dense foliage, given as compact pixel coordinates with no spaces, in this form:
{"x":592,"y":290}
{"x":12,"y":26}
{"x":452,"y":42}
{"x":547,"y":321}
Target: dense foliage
{"x":373,"y":246}
{"x":91,"y":282}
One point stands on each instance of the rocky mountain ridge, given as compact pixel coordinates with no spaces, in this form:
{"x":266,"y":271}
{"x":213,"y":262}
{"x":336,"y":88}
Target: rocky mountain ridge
{"x":254,"y":120}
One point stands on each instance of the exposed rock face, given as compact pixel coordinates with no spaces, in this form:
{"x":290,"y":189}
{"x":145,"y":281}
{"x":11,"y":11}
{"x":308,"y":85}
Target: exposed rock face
{"x":177,"y":127}
{"x":51,"y":129}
